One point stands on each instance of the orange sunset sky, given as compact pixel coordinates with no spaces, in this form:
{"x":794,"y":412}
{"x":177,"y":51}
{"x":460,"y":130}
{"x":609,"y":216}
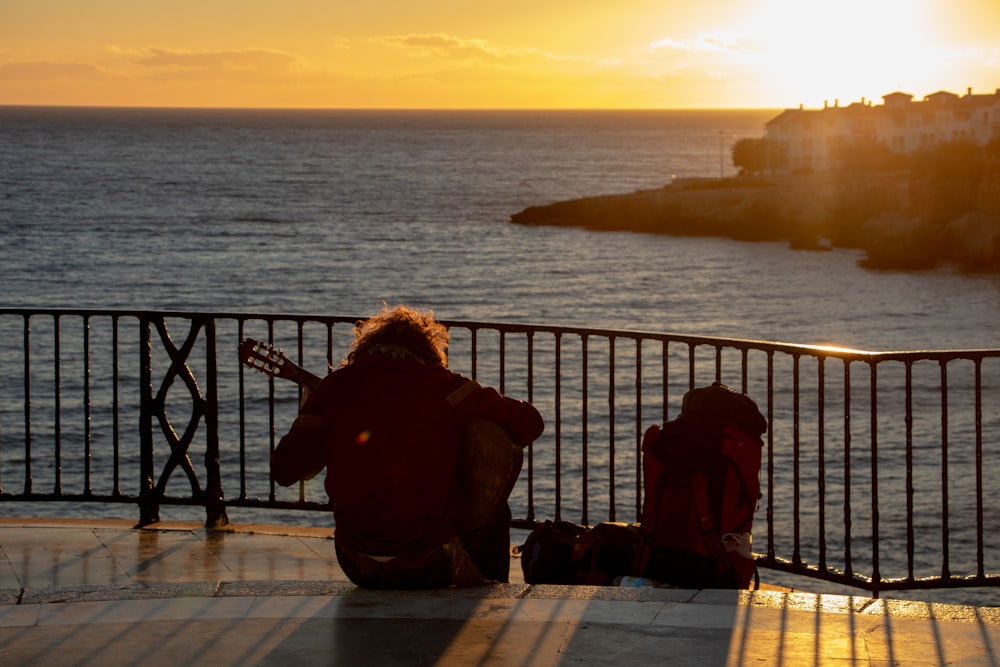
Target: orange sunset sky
{"x":510,"y":54}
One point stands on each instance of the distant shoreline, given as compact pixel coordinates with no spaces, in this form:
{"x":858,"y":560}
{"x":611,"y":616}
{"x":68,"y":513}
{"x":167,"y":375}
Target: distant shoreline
{"x":877,"y":213}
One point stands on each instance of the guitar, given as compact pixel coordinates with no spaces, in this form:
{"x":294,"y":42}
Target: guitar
{"x":260,"y":356}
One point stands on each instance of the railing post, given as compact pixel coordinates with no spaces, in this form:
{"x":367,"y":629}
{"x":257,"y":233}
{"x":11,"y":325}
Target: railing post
{"x":796,"y":467}
{"x":57,"y":403}
{"x":848,"y":564}
{"x":557,"y":403}
{"x":945,"y":529}
{"x":611,"y":427}
{"x":86,"y":406}
{"x":821,"y":458}
{"x":215,"y":507}
{"x":27,"y":405}
{"x":531,"y":450}
{"x":873,"y":428}
{"x":149,"y":506}
{"x":584,"y":433}
{"x":910,"y":489}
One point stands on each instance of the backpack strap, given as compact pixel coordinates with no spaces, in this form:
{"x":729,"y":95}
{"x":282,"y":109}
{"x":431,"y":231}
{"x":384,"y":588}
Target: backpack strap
{"x":653,"y":474}
{"x":699,"y":489}
{"x":460,"y":394}
{"x":710,"y":535}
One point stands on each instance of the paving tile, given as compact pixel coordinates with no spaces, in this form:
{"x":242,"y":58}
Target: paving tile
{"x":373,"y":604}
{"x":948,"y":642}
{"x":8,"y":575}
{"x":283,"y":588}
{"x":627,"y":645}
{"x":44,"y":556}
{"x":165,"y":555}
{"x":788,"y":648}
{"x":430,"y":642}
{"x":482,"y":642}
{"x":698,"y":616}
{"x":645,"y":594}
{"x":91,"y":592}
{"x":262,"y":557}
{"x":143,"y":611}
{"x":228,"y":642}
{"x":14,"y":616}
{"x":298,"y":606}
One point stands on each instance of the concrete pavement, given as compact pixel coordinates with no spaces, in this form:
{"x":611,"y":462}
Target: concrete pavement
{"x":102,"y":593}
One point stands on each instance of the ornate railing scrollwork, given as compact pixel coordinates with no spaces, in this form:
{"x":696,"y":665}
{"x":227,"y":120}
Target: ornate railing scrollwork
{"x":154,"y":406}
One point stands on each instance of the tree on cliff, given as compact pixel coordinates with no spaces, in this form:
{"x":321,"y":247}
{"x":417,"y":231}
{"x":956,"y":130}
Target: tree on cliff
{"x":949,"y":176}
{"x":753,"y":156}
{"x":864,"y":156}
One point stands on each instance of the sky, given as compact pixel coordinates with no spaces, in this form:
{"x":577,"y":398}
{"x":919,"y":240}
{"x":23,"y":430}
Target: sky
{"x":526,"y":54}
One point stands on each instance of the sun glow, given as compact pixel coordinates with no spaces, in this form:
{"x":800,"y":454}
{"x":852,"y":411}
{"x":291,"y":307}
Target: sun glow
{"x":521,"y":54}
{"x":823,"y":51}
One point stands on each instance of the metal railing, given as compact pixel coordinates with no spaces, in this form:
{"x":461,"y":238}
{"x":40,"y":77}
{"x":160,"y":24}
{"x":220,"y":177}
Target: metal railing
{"x":876,"y":471}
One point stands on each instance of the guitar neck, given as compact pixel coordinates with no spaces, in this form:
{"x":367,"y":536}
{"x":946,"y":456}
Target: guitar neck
{"x":303,"y":377}
{"x":265,"y":358}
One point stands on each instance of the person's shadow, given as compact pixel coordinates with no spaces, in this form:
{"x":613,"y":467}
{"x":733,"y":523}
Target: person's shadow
{"x":475,"y":626}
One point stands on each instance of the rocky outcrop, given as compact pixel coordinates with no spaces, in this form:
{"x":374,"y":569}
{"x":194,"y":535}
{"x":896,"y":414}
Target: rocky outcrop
{"x":893,"y":241}
{"x":733,"y":208}
{"x":880,"y":213}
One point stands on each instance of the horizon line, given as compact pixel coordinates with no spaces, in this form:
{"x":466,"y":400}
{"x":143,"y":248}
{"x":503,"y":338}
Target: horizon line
{"x":362,"y":108}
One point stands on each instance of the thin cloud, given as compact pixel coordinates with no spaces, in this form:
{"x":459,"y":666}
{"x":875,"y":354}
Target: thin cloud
{"x":251,"y":60}
{"x":48,"y":71}
{"x":477,"y":51}
{"x":450,"y":47}
{"x":444,"y":46}
{"x":714,"y":42}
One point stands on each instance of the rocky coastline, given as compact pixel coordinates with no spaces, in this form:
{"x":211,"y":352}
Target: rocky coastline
{"x":901,"y":222}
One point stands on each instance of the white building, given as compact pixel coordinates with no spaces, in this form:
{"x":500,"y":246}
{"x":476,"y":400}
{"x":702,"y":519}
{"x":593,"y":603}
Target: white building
{"x":903,"y":125}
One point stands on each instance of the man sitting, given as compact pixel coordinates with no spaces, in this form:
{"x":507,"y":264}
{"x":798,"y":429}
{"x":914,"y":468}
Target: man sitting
{"x":386,"y":425}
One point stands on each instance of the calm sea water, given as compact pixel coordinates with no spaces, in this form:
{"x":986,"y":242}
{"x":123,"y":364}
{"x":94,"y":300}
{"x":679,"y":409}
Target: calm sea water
{"x":335,"y":211}
{"x":332,"y":212}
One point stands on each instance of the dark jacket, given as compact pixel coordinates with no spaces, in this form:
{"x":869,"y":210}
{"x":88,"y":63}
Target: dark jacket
{"x":388,"y":436}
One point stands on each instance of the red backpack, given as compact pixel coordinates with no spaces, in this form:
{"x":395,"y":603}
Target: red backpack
{"x":701,"y":480}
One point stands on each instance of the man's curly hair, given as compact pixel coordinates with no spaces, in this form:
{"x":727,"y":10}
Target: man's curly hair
{"x":402,"y":327}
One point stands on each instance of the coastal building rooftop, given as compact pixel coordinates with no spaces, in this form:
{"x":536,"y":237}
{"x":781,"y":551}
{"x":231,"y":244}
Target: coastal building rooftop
{"x":810,"y":138}
{"x":80,"y":592}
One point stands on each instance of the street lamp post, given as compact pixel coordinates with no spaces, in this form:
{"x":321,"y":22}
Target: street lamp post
{"x":720,"y":154}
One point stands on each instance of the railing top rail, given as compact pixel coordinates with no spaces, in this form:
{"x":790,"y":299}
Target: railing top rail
{"x":827,"y":351}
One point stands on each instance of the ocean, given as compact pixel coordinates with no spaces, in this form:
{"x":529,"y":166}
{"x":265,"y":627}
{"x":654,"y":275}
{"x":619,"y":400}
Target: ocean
{"x":334,"y":212}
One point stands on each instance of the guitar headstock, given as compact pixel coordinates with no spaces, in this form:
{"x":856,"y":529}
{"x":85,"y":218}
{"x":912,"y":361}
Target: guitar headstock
{"x":267,"y":359}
